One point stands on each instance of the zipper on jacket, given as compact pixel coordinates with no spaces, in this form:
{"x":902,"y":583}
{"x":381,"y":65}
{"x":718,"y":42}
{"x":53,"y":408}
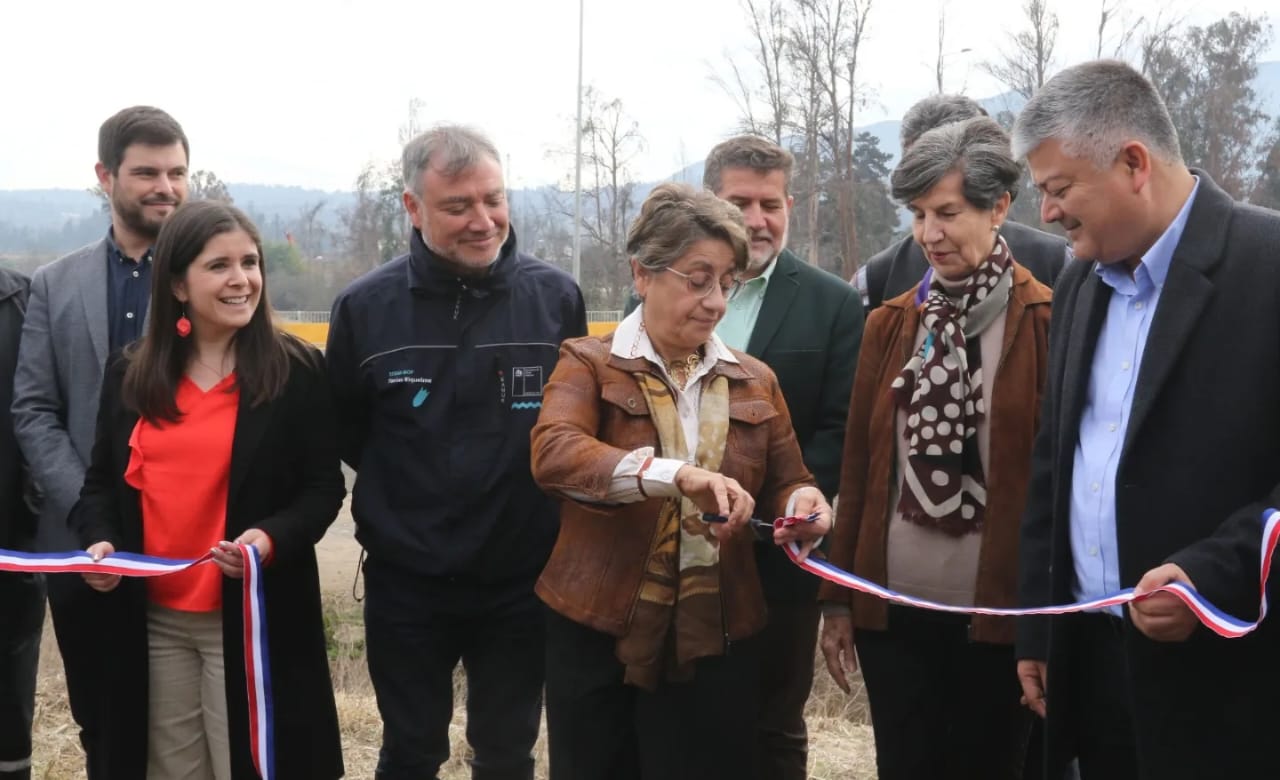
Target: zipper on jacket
{"x":457,"y":304}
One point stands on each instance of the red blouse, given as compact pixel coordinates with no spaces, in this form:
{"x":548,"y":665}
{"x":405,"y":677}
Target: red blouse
{"x":182,"y":471}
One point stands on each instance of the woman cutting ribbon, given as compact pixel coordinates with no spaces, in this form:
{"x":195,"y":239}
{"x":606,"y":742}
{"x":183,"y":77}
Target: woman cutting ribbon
{"x":215,"y":430}
{"x":650,"y":663}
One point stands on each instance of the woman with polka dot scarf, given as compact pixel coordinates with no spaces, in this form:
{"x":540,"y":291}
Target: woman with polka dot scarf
{"x":936,"y":468}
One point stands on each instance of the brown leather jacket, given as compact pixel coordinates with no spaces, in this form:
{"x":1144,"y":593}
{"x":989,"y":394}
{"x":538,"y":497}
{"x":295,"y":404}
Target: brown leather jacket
{"x":860,"y":538}
{"x":593,"y":414}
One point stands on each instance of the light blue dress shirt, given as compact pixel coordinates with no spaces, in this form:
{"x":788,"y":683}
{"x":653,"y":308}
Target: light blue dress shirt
{"x":1112,"y":380}
{"x":743,"y":310}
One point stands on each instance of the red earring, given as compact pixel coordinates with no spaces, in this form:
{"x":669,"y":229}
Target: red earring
{"x":183,"y":324}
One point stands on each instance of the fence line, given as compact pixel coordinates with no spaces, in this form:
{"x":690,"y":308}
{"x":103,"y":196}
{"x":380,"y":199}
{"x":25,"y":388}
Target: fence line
{"x":322,"y":317}
{"x":318,"y":317}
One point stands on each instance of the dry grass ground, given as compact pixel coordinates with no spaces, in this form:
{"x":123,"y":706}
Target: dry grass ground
{"x":841,"y":746}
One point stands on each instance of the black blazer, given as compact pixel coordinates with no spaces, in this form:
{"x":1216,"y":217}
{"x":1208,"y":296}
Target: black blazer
{"x":285,"y":478}
{"x":17,"y":521}
{"x":808,"y":331}
{"x":1200,"y":462}
{"x":894,"y":270}
{"x":21,"y":595}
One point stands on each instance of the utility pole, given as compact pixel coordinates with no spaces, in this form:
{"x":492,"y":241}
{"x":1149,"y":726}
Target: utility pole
{"x":577,"y":166}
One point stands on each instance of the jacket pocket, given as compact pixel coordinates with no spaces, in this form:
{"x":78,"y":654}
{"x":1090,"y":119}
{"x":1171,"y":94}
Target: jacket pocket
{"x":748,"y":434}
{"x":626,"y":397}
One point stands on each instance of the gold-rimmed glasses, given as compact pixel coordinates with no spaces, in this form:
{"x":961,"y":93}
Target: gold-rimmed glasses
{"x":701,"y":283}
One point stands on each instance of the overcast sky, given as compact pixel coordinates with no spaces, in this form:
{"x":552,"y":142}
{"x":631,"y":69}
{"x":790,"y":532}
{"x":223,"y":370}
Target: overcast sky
{"x":306,"y":93}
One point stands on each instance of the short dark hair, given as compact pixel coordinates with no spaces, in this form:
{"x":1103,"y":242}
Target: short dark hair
{"x":137,"y":125}
{"x":158,"y":360}
{"x":936,"y":111}
{"x":978,"y":148}
{"x":747,"y":151}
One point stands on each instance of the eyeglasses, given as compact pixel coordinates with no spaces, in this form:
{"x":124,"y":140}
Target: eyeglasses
{"x":701,"y":283}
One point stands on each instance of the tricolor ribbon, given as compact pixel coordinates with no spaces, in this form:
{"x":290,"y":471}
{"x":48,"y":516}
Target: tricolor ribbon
{"x":1213,"y":618}
{"x":257,"y":667}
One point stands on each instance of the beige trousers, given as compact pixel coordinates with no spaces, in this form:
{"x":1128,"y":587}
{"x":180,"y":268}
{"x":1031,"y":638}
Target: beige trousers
{"x":188,"y":701}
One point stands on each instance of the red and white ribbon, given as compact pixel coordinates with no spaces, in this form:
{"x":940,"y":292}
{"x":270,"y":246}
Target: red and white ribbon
{"x":257,"y":667}
{"x":1213,"y":618}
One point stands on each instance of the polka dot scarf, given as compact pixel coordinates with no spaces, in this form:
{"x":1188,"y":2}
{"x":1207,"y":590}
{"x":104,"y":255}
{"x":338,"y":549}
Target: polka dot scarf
{"x":940,"y":389}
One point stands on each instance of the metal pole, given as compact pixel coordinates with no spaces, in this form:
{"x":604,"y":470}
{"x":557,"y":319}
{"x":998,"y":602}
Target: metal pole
{"x":577,"y":166}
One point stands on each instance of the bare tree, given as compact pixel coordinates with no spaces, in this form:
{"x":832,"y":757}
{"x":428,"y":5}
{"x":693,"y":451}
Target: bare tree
{"x":942,"y":39}
{"x":770,"y":95}
{"x":205,"y":185}
{"x":825,"y":43}
{"x":412,"y":126}
{"x":374,"y":233}
{"x":611,"y":140}
{"x":768,"y":26}
{"x":812,"y":117}
{"x":1025,"y":65}
{"x":1157,"y":36}
{"x":312,"y":236}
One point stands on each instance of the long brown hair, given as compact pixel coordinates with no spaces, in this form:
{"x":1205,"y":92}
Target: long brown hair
{"x":158,"y":360}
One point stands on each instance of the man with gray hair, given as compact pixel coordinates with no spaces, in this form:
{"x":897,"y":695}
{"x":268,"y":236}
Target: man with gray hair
{"x":437,"y":362}
{"x":1159,"y":444}
{"x":899,"y":267}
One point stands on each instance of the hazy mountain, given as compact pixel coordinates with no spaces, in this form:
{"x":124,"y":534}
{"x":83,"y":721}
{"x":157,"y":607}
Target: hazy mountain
{"x":58,"y":220}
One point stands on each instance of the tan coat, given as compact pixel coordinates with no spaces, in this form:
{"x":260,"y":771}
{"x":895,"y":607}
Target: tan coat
{"x":593,"y":414}
{"x":866,"y":482}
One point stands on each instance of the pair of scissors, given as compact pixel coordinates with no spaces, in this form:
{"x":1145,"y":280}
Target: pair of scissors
{"x":763,"y":528}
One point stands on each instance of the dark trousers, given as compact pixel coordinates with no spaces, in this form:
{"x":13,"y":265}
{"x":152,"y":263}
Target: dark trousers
{"x":600,"y":729}
{"x":1036,"y":766}
{"x":21,"y":622}
{"x":941,"y":705}
{"x":417,"y":629}
{"x":81,"y":624}
{"x":1138,"y":708}
{"x":787,"y":647}
{"x":1098,"y":698}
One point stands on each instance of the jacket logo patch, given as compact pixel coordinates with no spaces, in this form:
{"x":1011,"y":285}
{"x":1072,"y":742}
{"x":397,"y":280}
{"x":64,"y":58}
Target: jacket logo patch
{"x":526,"y":382}
{"x":526,"y":405}
{"x":420,"y":397}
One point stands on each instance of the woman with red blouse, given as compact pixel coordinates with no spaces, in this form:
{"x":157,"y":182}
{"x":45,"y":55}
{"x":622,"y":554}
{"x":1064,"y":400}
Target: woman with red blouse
{"x":214,"y":430}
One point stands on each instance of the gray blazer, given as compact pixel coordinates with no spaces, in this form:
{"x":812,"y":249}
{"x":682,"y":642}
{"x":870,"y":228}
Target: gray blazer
{"x":55,"y":388}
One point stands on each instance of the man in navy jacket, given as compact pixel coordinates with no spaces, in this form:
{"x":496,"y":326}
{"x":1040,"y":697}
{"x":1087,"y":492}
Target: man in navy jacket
{"x":437,"y":361}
